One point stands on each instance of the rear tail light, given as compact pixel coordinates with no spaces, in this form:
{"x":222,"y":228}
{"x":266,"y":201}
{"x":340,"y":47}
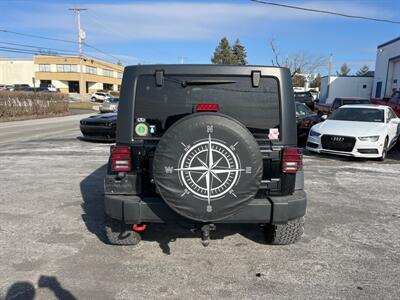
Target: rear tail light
{"x":292,"y":160}
{"x":121,"y":159}
{"x":207,"y":107}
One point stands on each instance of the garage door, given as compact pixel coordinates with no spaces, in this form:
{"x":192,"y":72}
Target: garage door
{"x":395,"y":80}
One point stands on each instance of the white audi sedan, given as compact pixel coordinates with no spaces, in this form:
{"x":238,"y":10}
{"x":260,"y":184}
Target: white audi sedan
{"x":356,"y":130}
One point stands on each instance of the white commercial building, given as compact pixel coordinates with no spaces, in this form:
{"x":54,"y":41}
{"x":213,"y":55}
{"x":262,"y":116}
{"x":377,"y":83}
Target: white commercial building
{"x":345,"y":86}
{"x":20,"y":71}
{"x":387,"y":69}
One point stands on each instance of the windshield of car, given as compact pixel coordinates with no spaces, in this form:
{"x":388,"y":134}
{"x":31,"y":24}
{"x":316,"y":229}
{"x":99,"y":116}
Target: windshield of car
{"x":258,"y":108}
{"x":302,"y":95}
{"x":358,"y":115}
{"x":302,"y":110}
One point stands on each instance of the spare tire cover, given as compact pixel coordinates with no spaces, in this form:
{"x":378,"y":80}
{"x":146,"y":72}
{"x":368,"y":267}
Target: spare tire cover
{"x":207,"y":166}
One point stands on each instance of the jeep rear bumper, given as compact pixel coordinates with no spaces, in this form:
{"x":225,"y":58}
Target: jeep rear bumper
{"x":274,"y":209}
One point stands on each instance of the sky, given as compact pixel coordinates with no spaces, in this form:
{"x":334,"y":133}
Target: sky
{"x":150,"y":32}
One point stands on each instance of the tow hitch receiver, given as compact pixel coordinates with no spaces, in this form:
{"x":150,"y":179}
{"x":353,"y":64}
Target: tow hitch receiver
{"x":205,"y":233}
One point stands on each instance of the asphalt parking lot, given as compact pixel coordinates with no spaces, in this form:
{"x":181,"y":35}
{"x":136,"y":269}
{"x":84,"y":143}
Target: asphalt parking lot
{"x":52,"y":242}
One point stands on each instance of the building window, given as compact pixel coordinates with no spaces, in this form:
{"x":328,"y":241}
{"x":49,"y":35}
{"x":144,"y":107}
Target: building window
{"x":45,"y":83}
{"x":44,"y":68}
{"x":108,"y":73}
{"x":119,"y":75}
{"x":107,"y":86}
{"x":73,"y":86}
{"x":91,"y":70}
{"x":67,"y":68}
{"x":364,"y":86}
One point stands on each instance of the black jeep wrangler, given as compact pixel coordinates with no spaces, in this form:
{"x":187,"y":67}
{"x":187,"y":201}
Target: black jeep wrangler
{"x":205,"y":144}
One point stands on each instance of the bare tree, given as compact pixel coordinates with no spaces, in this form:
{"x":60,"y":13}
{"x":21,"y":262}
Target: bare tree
{"x":299,"y":62}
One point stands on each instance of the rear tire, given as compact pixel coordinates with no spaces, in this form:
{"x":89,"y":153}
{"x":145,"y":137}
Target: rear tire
{"x":119,"y":233}
{"x":284,"y":234}
{"x":93,"y":99}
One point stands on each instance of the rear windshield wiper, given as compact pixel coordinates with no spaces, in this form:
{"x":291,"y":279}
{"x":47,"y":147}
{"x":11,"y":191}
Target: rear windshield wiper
{"x":185,"y":83}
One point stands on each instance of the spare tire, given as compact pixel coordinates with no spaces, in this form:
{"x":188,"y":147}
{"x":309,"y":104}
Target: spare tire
{"x":207,"y":166}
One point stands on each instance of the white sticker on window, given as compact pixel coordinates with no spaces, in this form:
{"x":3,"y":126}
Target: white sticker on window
{"x":273,"y":134}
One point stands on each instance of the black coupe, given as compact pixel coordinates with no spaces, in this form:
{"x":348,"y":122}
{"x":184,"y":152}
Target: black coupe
{"x":101,"y":127}
{"x":306,"y":118}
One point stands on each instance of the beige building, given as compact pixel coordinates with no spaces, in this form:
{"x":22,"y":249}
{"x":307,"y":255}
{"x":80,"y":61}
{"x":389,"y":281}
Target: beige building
{"x":62,"y":73}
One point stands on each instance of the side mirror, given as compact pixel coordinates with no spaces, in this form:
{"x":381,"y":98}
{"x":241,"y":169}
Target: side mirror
{"x":324,"y":117}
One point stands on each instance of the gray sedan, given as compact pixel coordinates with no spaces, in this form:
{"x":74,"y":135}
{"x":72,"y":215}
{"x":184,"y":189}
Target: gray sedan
{"x":109,"y":105}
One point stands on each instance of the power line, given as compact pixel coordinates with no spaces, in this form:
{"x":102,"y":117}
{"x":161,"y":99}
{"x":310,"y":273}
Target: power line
{"x":27,"y":51}
{"x":16,"y":51}
{"x":38,"y":36}
{"x":59,"y":40}
{"x":34,"y":51}
{"x":37,"y":47}
{"x":101,"y":24}
{"x":97,"y":49}
{"x":326,"y":12}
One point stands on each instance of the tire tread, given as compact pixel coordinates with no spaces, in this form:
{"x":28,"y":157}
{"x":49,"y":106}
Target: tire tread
{"x":285,"y":234}
{"x":119,"y":233}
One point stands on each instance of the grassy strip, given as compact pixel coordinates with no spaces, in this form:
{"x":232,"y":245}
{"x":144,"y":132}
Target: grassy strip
{"x":22,"y":105}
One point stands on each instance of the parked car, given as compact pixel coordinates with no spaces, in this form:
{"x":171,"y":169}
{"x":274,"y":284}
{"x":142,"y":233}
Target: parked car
{"x":3,"y":87}
{"x":21,"y":87}
{"x":306,"y":118}
{"x":205,"y":144}
{"x":314,"y":94}
{"x":101,"y":127}
{"x":109,"y":105}
{"x":368,"y":131}
{"x":51,"y":88}
{"x":327,"y":109}
{"x":305,"y":98}
{"x":393,"y":102}
{"x":100,"y":97}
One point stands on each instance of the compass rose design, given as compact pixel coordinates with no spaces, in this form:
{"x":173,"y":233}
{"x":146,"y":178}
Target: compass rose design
{"x":209,"y":169}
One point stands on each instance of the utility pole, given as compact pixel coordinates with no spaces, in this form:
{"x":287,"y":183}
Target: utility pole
{"x":330,"y":64}
{"x":183,"y":59}
{"x":81,"y":38}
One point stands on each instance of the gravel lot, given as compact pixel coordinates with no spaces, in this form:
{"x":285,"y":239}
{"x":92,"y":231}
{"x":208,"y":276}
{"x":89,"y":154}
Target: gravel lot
{"x":52,"y":242}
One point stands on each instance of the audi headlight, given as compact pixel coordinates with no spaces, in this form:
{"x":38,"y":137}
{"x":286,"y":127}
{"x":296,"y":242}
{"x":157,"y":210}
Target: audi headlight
{"x":372,"y":138}
{"x":314,"y":133}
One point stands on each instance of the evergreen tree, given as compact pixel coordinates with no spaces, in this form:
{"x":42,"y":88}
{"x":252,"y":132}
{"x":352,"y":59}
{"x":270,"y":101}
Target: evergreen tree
{"x":344,"y":70}
{"x":223,"y":53}
{"x":239,"y":53}
{"x":316,"y":83}
{"x":298,"y":80}
{"x":363,"y":71}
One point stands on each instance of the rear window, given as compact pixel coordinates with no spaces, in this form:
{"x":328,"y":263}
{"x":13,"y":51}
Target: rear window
{"x":356,"y":101}
{"x":159,"y":107}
